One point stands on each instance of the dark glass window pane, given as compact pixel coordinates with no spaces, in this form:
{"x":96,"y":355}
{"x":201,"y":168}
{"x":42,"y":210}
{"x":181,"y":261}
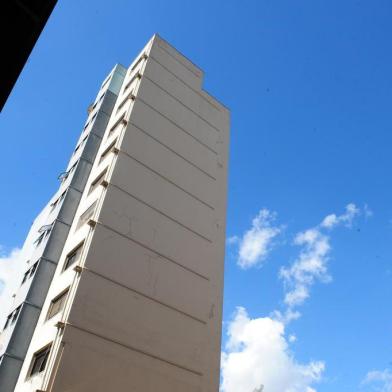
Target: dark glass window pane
{"x":73,"y":257}
{"x":57,"y":304}
{"x":39,"y":361}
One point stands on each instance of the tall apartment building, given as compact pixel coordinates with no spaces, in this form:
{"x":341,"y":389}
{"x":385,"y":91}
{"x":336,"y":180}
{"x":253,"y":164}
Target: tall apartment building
{"x":136,"y":297}
{"x":48,"y":234}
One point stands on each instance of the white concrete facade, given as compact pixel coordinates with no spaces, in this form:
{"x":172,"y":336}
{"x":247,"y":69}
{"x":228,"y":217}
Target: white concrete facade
{"x":48,"y":234}
{"x":136,"y":299}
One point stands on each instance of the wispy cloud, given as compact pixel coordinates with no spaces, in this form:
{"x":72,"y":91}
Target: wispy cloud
{"x":312,"y":263}
{"x":258,"y":355}
{"x":257,"y":242}
{"x":379,"y":381}
{"x":10,"y":273}
{"x":310,"y":266}
{"x":332,"y":220}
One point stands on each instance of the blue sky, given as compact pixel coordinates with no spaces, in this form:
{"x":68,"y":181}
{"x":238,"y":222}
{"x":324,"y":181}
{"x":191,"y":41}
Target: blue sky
{"x":309,"y":85}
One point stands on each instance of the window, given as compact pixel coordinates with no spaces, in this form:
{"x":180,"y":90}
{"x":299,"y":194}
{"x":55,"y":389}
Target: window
{"x":73,"y":256}
{"x":8,"y":321}
{"x":137,"y":75}
{"x":72,"y":168}
{"x":30,"y":272}
{"x":25,"y":276}
{"x":80,"y":144}
{"x":39,"y":361}
{"x":85,"y":217}
{"x":86,"y":125}
{"x":12,"y":317}
{"x":108,"y":150}
{"x":57,"y":304}
{"x":40,"y":239}
{"x":62,"y":196}
{"x":77,"y":148}
{"x":33,"y":269}
{"x":63,"y":176}
{"x":118,"y":124}
{"x":139,"y":60}
{"x":54,"y":204}
{"x":101,"y":97}
{"x":15,"y":315}
{"x":105,"y":81}
{"x":98,"y":181}
{"x":44,"y":230}
{"x":58,"y":201}
{"x":125,"y":100}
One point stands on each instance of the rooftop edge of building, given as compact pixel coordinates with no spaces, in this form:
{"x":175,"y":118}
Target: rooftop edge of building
{"x":185,"y":61}
{"x":189,"y":63}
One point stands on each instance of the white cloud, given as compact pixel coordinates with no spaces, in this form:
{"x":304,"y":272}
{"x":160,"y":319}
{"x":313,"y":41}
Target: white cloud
{"x":256,"y":243}
{"x":311,"y":265}
{"x":381,"y":381}
{"x":347,"y":218}
{"x":11,"y":269}
{"x":258,"y":354}
{"x":312,"y":262}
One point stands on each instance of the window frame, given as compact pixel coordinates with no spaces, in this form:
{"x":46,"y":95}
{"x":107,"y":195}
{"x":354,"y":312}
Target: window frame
{"x":108,"y":150}
{"x":137,"y":75}
{"x":138,"y":61}
{"x":7,"y":321}
{"x":25,"y":276}
{"x":42,"y":353}
{"x":76,"y":251}
{"x":86,"y":215}
{"x":105,"y":81}
{"x":15,"y":314}
{"x":121,"y":121}
{"x":98,"y":180}
{"x":59,"y":302}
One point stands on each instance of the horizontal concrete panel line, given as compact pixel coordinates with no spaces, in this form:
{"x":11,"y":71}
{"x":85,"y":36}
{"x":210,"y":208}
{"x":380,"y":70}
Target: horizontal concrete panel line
{"x":173,"y":151}
{"x":160,"y":212}
{"x":76,"y":190}
{"x":13,"y":357}
{"x":186,"y":84}
{"x":176,"y":125}
{"x":181,"y":103}
{"x":61,"y":221}
{"x":96,"y":135}
{"x":82,"y":158}
{"x":47,"y":260}
{"x":155,"y":251}
{"x":168,"y":180}
{"x":28,"y":303}
{"x":145,"y":296}
{"x":135,"y":349}
{"x":178,"y":61}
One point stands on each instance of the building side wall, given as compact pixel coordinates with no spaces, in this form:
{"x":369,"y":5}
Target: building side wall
{"x":143,"y":310}
{"x":58,"y":214}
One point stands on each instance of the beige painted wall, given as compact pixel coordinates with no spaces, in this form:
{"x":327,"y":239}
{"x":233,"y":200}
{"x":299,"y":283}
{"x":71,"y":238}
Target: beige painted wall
{"x":145,"y":312}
